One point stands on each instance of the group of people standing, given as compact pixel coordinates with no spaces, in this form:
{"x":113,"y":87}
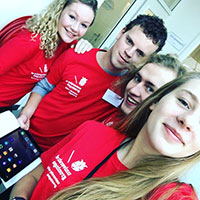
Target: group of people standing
{"x":116,"y":124}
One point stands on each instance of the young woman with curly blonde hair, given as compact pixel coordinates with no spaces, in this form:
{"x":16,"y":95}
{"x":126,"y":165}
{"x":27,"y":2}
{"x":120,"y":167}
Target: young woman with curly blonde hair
{"x":28,"y":55}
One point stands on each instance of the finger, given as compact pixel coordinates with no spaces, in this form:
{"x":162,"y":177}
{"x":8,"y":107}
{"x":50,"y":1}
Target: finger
{"x":83,"y":46}
{"x":73,"y":45}
{"x":79,"y":46}
{"x":22,"y":120}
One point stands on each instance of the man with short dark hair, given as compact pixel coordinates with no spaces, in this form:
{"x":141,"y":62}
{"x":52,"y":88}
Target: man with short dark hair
{"x":80,"y":82}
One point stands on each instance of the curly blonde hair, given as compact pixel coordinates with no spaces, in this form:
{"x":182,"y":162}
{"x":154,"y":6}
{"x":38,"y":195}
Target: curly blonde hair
{"x":45,"y":24}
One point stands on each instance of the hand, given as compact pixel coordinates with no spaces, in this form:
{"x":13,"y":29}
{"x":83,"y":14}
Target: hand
{"x":24,"y":121}
{"x":82,"y":46}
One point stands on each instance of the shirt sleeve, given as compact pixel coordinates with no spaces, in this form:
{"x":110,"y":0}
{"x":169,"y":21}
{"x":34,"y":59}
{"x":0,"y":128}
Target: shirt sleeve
{"x":59,"y":66}
{"x":43,"y":87}
{"x":17,"y":50}
{"x":76,"y":133}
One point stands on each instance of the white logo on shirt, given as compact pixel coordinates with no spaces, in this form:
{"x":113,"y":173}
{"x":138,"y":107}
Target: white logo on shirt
{"x":41,"y":75}
{"x":75,"y":87}
{"x":45,"y":68}
{"x":79,"y":165}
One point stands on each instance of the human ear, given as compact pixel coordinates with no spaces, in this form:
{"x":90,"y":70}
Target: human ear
{"x":120,"y":33}
{"x":152,"y":106}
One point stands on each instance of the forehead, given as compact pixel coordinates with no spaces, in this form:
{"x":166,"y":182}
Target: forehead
{"x":156,"y":74}
{"x":141,"y":41}
{"x":192,"y":86}
{"x":82,"y":10}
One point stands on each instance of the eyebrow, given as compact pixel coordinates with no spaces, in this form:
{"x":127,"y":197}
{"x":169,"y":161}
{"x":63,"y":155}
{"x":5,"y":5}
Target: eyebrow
{"x":76,"y":13}
{"x":141,"y":52}
{"x":194,"y":97}
{"x":129,"y":38}
{"x":147,"y":82}
{"x":138,"y":50}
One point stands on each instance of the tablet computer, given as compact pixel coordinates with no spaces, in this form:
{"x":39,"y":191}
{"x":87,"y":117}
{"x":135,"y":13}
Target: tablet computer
{"x":19,"y":154}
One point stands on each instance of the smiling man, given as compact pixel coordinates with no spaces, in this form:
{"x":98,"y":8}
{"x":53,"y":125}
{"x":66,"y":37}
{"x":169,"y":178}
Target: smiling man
{"x":82,"y":80}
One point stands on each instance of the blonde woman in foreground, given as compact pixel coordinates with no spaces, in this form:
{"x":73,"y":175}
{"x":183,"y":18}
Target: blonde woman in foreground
{"x":166,"y":126}
{"x":167,"y":142}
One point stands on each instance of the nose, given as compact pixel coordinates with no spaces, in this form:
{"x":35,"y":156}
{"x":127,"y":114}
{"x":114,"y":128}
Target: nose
{"x":130,"y":51}
{"x":137,"y":89}
{"x":184,"y":123}
{"x":74,"y":27}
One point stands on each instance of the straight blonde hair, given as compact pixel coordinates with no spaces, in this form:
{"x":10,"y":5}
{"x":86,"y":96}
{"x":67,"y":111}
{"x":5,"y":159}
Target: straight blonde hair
{"x":148,"y":173}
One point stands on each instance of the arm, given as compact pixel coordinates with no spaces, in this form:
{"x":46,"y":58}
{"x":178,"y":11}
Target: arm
{"x":39,"y":91}
{"x":25,"y":186}
{"x":82,"y":46}
{"x":17,"y":50}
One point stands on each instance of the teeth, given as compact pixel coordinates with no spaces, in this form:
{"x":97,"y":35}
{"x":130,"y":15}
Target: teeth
{"x":70,"y":34}
{"x":132,"y":101}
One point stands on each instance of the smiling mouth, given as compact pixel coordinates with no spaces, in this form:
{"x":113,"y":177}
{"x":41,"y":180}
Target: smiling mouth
{"x":70,"y":34}
{"x":123,"y":59}
{"x":132,"y":101}
{"x":174,"y":133}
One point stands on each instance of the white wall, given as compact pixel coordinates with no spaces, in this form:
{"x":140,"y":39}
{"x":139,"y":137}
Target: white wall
{"x":184,"y":22}
{"x":12,"y":9}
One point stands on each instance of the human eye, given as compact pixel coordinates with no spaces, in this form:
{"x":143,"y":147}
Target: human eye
{"x":129,"y":41}
{"x":72,"y":16}
{"x":137,"y":78}
{"x":84,"y":25}
{"x":140,"y":53}
{"x":149,"y":89}
{"x":184,"y":103}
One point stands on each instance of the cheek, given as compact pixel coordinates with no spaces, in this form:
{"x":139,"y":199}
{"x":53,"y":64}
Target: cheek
{"x":130,"y":85}
{"x":196,"y":142}
{"x":136,"y":59}
{"x":120,"y":44}
{"x":145,"y":95}
{"x":82,"y":31}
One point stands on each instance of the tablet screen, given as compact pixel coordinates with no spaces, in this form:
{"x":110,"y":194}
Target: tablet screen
{"x":17,"y":150}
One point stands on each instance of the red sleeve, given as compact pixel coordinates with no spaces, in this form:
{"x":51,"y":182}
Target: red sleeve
{"x":173,"y":191}
{"x":47,"y":155}
{"x":60,"y":64}
{"x":17,"y":50}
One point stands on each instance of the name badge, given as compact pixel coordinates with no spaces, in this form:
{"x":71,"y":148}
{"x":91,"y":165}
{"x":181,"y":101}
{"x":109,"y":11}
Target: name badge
{"x":112,"y":98}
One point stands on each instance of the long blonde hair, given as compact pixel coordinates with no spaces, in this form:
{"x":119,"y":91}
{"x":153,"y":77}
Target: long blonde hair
{"x":46,"y":24}
{"x":147,"y":174}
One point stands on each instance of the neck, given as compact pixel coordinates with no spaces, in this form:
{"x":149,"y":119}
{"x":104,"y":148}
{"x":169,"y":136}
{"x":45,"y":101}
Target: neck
{"x":103,"y":59}
{"x":136,"y":150}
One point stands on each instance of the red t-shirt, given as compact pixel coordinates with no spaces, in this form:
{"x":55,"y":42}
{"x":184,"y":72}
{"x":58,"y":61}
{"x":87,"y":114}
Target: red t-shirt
{"x":22,"y":64}
{"x":174,"y":191}
{"x":80,"y":84}
{"x":71,"y":160}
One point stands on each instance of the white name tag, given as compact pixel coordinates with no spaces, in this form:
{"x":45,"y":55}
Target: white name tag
{"x":112,"y":98}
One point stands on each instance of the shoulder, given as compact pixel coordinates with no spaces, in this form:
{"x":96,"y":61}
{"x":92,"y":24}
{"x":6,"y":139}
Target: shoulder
{"x":71,"y":54}
{"x":99,"y":130}
{"x":93,"y":124}
{"x":25,"y":38}
{"x":26,"y":34}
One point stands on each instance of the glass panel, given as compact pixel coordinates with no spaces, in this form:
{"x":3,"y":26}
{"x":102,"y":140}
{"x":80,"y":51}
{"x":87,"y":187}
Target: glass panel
{"x":172,"y":3}
{"x":107,"y":17}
